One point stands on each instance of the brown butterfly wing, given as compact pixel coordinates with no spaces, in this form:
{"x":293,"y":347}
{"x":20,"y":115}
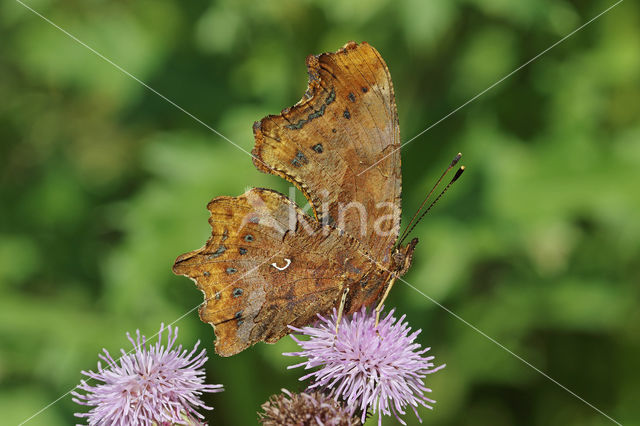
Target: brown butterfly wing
{"x":346,"y":123}
{"x":247,"y":299}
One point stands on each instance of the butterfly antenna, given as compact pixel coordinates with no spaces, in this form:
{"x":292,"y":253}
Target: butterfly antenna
{"x":455,"y":178}
{"x":451,"y":166}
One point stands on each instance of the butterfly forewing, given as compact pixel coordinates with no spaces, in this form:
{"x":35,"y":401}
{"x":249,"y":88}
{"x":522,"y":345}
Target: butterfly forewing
{"x":334,"y":145}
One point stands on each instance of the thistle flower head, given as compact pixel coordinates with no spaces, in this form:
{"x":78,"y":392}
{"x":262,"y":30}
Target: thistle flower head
{"x":152,"y":384}
{"x":305,"y":409}
{"x":379,"y":368}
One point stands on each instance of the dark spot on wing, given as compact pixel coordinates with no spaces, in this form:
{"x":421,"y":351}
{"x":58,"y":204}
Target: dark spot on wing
{"x":364,"y":90}
{"x":351,"y":97}
{"x":242,"y":250}
{"x":217,"y":253}
{"x":231,"y":270}
{"x":346,"y":114}
{"x":237,"y":292}
{"x":299,"y":159}
{"x":315,"y":114}
{"x":334,"y":130}
{"x":248,"y":238}
{"x":300,"y":123}
{"x":331,"y":97}
{"x":318,"y":148}
{"x":206,"y":273}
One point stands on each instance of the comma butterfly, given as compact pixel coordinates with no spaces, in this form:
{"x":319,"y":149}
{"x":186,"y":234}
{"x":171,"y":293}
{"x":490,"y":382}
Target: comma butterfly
{"x":267,"y":264}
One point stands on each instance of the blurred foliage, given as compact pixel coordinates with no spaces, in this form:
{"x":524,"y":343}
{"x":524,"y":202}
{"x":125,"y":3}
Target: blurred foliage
{"x":103,"y":183}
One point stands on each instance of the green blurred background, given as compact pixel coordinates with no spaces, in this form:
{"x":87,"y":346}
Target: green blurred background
{"x":103,"y":183}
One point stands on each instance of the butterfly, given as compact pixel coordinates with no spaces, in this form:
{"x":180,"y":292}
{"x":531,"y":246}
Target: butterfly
{"x":268,"y":265}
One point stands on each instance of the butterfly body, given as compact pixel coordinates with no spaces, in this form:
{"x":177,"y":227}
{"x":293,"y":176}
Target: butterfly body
{"x":268,"y":265}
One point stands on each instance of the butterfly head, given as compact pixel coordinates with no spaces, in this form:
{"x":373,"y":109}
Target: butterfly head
{"x":402,"y":257}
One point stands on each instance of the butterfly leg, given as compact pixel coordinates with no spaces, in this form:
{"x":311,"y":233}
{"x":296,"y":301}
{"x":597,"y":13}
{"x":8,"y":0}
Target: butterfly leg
{"x":341,"y":308}
{"x":384,"y":297}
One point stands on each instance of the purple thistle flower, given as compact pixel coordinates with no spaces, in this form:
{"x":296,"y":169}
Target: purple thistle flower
{"x":367,"y":367}
{"x":151,"y":385}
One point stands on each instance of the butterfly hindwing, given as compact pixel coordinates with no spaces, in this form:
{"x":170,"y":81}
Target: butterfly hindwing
{"x":267,"y":265}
